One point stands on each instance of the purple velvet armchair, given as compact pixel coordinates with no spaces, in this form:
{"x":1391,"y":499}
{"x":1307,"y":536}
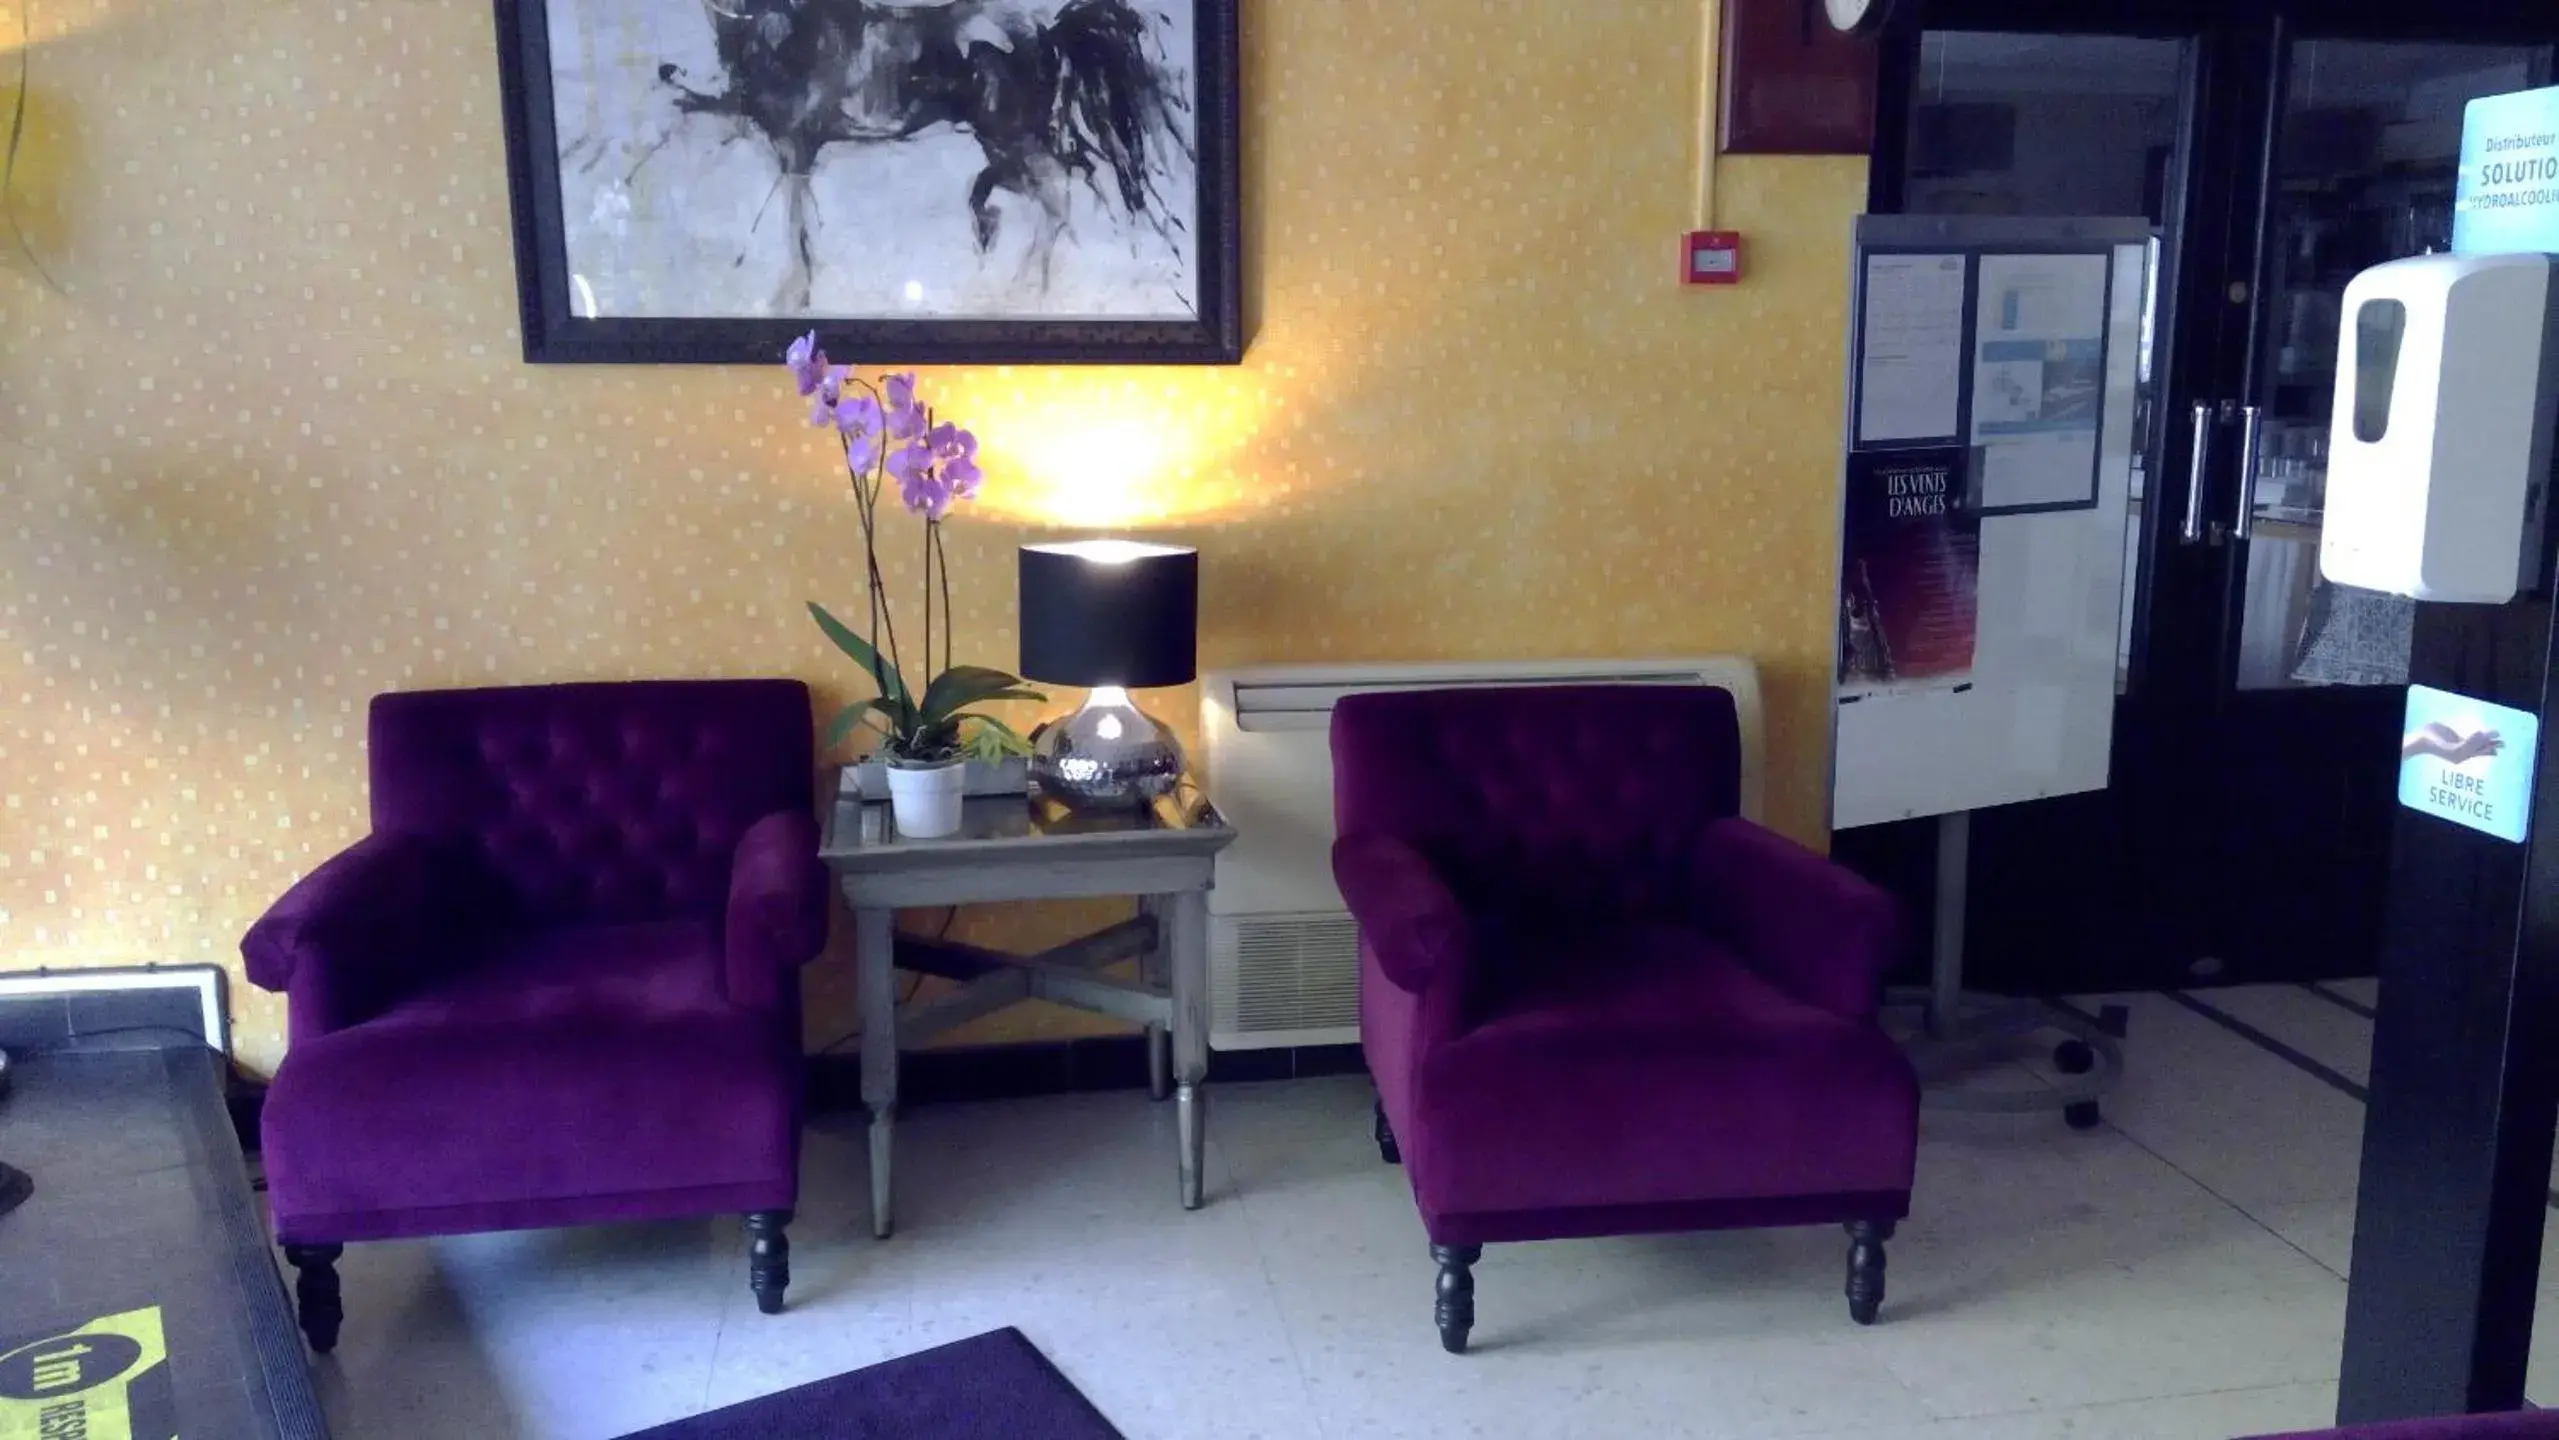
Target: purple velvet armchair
{"x":1595,"y":1000}
{"x":2520,"y":1425}
{"x":558,"y":984}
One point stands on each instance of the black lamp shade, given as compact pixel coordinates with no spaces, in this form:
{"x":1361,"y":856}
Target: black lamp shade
{"x":1110,"y":612}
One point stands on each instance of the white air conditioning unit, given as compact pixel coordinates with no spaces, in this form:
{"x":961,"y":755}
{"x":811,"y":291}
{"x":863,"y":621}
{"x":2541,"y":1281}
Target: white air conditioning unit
{"x":1283,"y":953}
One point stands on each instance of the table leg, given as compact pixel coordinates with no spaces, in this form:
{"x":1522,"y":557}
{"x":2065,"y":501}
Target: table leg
{"x":1153,"y":969}
{"x":875,"y":953}
{"x":1189,"y":946}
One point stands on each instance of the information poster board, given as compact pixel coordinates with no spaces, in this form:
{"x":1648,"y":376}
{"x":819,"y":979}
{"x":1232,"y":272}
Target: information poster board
{"x":1993,"y":391}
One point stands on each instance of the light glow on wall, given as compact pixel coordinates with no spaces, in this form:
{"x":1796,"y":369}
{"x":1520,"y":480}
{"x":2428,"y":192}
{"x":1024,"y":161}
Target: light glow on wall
{"x":1115,"y":452}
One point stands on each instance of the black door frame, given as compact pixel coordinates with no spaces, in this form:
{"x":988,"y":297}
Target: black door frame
{"x":2160,"y":901}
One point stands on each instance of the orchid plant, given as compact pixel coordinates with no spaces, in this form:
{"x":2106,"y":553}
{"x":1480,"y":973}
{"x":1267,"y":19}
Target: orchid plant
{"x":889,"y":433}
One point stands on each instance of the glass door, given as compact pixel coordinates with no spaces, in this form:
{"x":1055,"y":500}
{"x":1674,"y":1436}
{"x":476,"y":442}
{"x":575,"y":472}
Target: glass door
{"x":2362,"y":164}
{"x":2279,"y":147}
{"x":2015,"y":122}
{"x":2357,"y":164}
{"x":2016,"y":108}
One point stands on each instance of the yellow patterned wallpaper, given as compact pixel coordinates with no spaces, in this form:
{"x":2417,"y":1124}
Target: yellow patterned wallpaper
{"x":269,"y":447}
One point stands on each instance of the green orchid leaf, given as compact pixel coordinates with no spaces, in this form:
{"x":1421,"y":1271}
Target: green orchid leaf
{"x":992,"y":739}
{"x":1013,"y":694}
{"x":892,"y":684}
{"x":961,"y":686}
{"x":850,"y":718}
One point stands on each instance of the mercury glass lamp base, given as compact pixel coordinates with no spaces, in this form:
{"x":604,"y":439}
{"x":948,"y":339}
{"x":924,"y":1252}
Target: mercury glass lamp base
{"x":1108,"y":755}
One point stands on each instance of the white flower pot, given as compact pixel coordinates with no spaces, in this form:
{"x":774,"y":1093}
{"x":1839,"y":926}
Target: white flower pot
{"x":926,"y":798}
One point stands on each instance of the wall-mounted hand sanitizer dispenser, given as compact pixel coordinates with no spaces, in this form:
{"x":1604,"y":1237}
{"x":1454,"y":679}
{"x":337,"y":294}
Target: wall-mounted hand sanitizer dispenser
{"x":2439,"y":451}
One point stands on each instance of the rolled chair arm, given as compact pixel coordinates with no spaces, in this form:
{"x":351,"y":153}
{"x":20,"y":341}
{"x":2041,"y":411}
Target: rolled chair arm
{"x":1410,"y":917}
{"x":1808,"y":925}
{"x":349,"y":937}
{"x":777,"y":908}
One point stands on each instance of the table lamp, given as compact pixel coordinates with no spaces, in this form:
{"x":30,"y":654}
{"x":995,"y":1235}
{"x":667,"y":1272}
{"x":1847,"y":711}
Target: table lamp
{"x":1112,"y":616}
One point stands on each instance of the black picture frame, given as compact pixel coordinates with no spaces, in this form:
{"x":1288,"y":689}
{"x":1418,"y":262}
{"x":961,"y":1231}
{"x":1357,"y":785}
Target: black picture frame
{"x":553,"y":335}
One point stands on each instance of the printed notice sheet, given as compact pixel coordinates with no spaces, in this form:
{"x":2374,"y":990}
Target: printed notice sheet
{"x":2039,"y":380}
{"x":1909,"y":373}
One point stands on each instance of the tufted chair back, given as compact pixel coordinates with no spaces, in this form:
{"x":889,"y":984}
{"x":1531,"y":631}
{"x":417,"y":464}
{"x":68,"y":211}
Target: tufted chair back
{"x":596,"y":804}
{"x":1546,"y":804}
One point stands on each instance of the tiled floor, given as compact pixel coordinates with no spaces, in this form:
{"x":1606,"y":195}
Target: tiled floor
{"x":2177,"y":1274}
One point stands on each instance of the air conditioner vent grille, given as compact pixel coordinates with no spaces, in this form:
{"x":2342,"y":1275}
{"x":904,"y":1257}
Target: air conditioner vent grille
{"x":1287,"y":972}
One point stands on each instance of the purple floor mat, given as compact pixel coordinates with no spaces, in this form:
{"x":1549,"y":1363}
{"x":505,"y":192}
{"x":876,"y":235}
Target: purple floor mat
{"x":995,"y":1386}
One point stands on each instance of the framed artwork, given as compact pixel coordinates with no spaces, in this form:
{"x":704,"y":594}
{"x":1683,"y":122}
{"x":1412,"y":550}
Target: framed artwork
{"x":1793,"y":84}
{"x":920,"y":181}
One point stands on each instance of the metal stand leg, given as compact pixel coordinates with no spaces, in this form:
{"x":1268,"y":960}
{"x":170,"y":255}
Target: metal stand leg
{"x":1189,"y":945}
{"x":1154,"y":969}
{"x":1959,"y":1034}
{"x":1946,"y":954}
{"x":875,"y":957}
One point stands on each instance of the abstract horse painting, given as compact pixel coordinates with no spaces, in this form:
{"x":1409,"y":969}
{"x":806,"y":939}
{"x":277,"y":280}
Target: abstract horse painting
{"x":897,"y":161}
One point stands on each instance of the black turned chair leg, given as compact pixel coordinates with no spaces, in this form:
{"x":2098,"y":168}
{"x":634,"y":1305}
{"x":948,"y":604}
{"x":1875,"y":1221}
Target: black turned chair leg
{"x":1456,"y":1308}
{"x":315,"y":1293}
{"x":768,"y":1259}
{"x":1386,"y":1148}
{"x":1866,"y":1268}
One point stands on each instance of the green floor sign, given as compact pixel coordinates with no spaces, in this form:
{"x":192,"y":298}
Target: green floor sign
{"x":105,"y":1380}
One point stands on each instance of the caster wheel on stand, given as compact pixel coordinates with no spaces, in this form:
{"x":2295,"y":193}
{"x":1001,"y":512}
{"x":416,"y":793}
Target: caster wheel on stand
{"x":2082,"y":1116}
{"x":2073,"y":1057}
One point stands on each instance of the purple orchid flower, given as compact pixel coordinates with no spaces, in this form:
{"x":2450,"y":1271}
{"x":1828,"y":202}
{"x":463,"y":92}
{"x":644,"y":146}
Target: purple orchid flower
{"x":910,"y":460}
{"x":955,"y":450}
{"x":858,"y":418}
{"x":807,"y":362}
{"x":861,"y":452}
{"x":906,"y":416}
{"x":830,"y":393}
{"x":950,"y":442}
{"x":920,"y":485}
{"x":857,"y":415}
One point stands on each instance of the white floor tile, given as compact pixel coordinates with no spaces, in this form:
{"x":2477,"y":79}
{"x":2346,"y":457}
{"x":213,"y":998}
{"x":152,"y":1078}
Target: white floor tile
{"x":2217,"y":1416}
{"x":2243,"y":1122}
{"x":2170,"y":1275}
{"x":552,"y":1333}
{"x":2541,"y":1372}
{"x":2322,"y":1030}
{"x":2083,"y":1313}
{"x":2322,"y":1229}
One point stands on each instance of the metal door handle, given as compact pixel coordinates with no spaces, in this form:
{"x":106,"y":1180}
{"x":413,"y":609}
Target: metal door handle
{"x":2197,"y":467}
{"x":2249,"y":424}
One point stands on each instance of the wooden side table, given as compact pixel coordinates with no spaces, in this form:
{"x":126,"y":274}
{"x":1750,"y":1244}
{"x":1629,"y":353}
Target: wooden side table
{"x":1006,"y":850}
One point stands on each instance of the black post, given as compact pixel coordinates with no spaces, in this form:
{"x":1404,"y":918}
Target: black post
{"x":2457,"y":1142}
{"x":15,"y":1187}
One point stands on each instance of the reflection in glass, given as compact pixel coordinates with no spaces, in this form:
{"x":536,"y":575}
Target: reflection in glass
{"x":2008,"y":123}
{"x":2378,"y":328}
{"x":2365,"y":167}
{"x":2059,"y":125}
